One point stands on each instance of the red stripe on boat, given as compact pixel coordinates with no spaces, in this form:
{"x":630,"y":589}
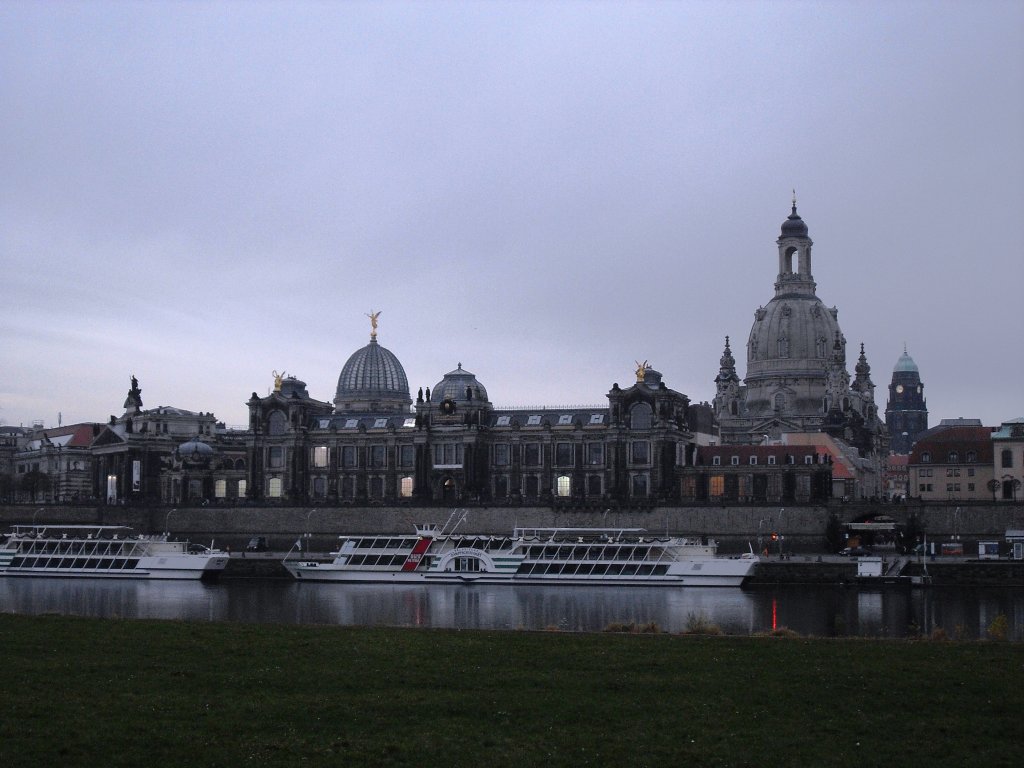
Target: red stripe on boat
{"x":413,"y":561}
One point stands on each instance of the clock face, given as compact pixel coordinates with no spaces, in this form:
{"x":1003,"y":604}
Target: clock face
{"x":899,"y":389}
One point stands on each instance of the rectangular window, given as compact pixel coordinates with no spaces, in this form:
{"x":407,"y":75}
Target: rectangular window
{"x":970,"y":472}
{"x":220,"y":489}
{"x":595,"y":454}
{"x":716,"y":460}
{"x":531,"y":454}
{"x":563,"y":455}
{"x":274,"y":488}
{"x":504,"y":421}
{"x":378,"y":456}
{"x":753,"y":460}
{"x":406,"y":455}
{"x":242,"y":486}
{"x":970,"y":486}
{"x":405,"y":487}
{"x":533,"y":421}
{"x":717,"y":485}
{"x":448,"y":455}
{"x":320,"y":456}
{"x":500,"y":486}
{"x":276,"y":457}
{"x":640,"y":451}
{"x":501,"y":454}
{"x":771,"y":460}
{"x":640,"y":486}
{"x":348,"y":456}
{"x":380,"y":423}
{"x":565,"y":420}
{"x":735,"y":461}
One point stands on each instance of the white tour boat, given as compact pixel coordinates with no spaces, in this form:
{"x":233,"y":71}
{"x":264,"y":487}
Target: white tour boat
{"x":575,"y":556}
{"x":103,"y":551}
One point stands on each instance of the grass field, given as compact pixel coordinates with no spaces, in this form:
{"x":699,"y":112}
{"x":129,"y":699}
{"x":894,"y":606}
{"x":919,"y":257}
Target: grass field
{"x":91,"y":692}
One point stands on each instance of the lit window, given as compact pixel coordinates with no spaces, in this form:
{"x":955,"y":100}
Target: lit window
{"x":220,"y":489}
{"x":242,"y":486}
{"x":405,"y":488}
{"x":717,"y":485}
{"x":320,"y":456}
{"x":274,"y":488}
{"x":562,"y":487}
{"x":410,"y":422}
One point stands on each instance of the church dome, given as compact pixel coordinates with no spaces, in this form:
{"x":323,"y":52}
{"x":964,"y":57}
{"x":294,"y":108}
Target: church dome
{"x":372,"y":379}
{"x":792,"y":335}
{"x":794,"y":226}
{"x":459,"y":385}
{"x":905,"y":364}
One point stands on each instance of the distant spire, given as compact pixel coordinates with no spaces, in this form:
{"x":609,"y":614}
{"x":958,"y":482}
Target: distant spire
{"x":794,"y":201}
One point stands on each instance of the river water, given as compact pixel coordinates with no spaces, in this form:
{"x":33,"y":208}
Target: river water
{"x":823,"y":611}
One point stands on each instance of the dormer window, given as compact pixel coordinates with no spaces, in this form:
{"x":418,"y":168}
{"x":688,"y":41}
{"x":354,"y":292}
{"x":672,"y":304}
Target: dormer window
{"x":735,"y":461}
{"x":771,"y":461}
{"x":926,"y":458}
{"x":753,"y":461}
{"x":953,"y":458}
{"x":716,"y":461}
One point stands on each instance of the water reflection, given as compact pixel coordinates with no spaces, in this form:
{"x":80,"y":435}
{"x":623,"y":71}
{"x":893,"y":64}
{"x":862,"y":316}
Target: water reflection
{"x":807,"y":610}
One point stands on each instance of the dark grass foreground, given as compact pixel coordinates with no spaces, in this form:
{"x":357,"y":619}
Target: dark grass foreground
{"x":87,"y":692}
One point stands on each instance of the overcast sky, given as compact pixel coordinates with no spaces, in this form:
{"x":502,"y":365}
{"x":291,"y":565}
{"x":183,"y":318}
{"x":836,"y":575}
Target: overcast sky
{"x":201,"y":193}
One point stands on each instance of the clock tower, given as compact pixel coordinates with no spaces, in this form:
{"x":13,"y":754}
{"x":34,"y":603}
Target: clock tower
{"x":906,"y":413}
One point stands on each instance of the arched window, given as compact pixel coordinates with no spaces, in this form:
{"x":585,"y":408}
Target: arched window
{"x":405,"y":487}
{"x":783,"y":347}
{"x":563,"y":487}
{"x":274,"y":488}
{"x":780,"y":402}
{"x":277,"y":423}
{"x":641,"y":416}
{"x":926,"y":458}
{"x":953,"y":458}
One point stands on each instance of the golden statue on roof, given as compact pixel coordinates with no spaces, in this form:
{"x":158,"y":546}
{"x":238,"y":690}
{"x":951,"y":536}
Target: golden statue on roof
{"x":278,"y":378}
{"x":373,"y":323}
{"x":641,"y":369}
